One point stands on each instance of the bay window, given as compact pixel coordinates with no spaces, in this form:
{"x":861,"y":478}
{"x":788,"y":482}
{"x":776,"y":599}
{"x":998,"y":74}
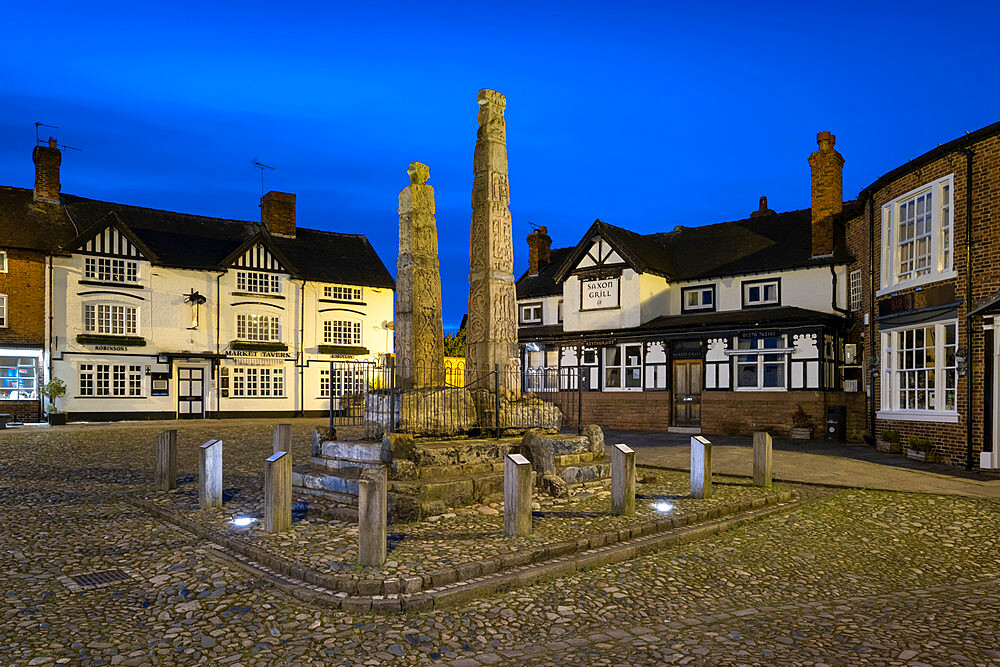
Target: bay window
{"x":919,"y":371}
{"x":917,"y":236}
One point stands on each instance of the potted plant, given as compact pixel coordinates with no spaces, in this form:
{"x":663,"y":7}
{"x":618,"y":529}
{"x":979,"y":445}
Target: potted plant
{"x":53,"y":390}
{"x":801,"y":425}
{"x":889,"y":442}
{"x":919,"y":449}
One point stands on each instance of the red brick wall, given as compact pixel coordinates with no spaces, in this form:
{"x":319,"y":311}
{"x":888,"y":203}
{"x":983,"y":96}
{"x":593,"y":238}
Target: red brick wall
{"x":24,"y":285}
{"x":644,"y":411}
{"x":741,"y":412}
{"x":21,"y":411}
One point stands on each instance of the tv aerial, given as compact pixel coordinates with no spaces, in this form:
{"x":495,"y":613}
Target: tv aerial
{"x":260,"y":165}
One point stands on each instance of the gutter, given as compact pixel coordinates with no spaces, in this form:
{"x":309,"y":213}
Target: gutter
{"x":872,"y":342}
{"x":968,"y":305}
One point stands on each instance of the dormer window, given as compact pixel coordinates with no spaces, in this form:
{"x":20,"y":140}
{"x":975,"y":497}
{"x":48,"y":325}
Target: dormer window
{"x":761,"y":293}
{"x":258,"y":282}
{"x":111,"y":270}
{"x":531,"y":313}
{"x":698,"y":298}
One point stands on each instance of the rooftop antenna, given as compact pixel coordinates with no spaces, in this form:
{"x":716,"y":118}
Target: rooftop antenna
{"x":38,"y":124}
{"x":262,"y":167}
{"x":534,"y":227}
{"x":69,"y":148}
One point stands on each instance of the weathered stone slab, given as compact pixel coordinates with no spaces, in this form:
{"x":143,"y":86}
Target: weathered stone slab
{"x":165,"y":469}
{"x":283,"y":438}
{"x":278,"y":492}
{"x":516,"y":496}
{"x":372,"y":517}
{"x":352,"y":450}
{"x":761,"y":458}
{"x":595,"y":436}
{"x":622,"y":480}
{"x":701,"y":467}
{"x":210,"y":475}
{"x":317,"y":443}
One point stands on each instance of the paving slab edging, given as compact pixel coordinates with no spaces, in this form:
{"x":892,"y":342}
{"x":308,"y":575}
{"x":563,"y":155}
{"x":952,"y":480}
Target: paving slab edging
{"x":455,"y":584}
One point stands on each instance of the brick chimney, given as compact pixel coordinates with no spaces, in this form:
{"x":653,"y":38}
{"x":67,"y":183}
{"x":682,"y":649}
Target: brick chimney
{"x":539,"y":250}
{"x":47,"y":160}
{"x":827,"y":193}
{"x":277,"y":212}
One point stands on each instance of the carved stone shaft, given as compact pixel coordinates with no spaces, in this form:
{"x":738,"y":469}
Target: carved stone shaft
{"x":491,"y":333}
{"x":419,"y":330}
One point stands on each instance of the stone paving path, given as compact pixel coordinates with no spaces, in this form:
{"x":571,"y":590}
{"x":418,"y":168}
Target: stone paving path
{"x":847,"y":577}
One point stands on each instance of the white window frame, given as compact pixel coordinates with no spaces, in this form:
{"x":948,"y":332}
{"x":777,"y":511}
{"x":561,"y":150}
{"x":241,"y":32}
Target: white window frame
{"x":541,"y":369}
{"x":762,"y":284}
{"x":759,"y":351}
{"x":699,"y":292}
{"x":3,"y":261}
{"x":855,"y":290}
{"x":624,"y":367}
{"x":111,"y":380}
{"x":347,"y":293}
{"x":19,"y":374}
{"x":258,"y":282}
{"x":258,"y":327}
{"x":111,"y":269}
{"x":112,"y":319}
{"x":941,"y":236}
{"x":526,"y":312}
{"x":257,"y":382}
{"x":3,"y":311}
{"x":894,"y":377}
{"x":342,"y":332}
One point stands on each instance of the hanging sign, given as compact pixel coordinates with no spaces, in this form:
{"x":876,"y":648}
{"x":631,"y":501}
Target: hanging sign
{"x":600,"y":293}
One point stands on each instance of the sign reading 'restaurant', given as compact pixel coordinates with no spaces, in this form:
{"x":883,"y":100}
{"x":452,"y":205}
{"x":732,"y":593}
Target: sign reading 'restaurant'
{"x":599,"y":293}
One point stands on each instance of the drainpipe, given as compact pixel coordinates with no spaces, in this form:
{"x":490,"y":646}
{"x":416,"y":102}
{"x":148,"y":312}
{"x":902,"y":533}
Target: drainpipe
{"x":49,"y":344}
{"x":843,"y":311}
{"x":218,"y":349}
{"x":302,"y":351}
{"x":968,"y":307}
{"x":872,"y":333}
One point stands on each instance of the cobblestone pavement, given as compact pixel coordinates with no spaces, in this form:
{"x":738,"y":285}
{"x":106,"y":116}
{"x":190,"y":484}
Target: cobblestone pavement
{"x":847,"y":577}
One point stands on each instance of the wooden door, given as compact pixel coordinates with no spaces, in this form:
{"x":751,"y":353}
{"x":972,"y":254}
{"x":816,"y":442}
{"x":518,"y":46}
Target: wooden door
{"x":687,"y":392}
{"x":191,"y":393}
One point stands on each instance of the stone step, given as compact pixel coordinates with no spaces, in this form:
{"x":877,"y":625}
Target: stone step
{"x":343,"y":482}
{"x":341,"y":464}
{"x":354,"y":450}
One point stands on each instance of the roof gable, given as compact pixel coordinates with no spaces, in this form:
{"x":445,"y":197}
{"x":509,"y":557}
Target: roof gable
{"x":110,"y":237}
{"x":256,"y":253}
{"x":600,"y":254}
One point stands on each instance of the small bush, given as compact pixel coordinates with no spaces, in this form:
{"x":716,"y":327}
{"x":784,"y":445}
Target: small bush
{"x":918,"y":444}
{"x":891,"y":436}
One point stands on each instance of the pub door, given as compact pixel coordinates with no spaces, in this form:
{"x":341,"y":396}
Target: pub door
{"x":687,"y":392}
{"x":191,"y":393}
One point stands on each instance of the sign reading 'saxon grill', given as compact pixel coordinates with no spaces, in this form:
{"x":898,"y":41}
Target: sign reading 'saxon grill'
{"x":600,"y":293}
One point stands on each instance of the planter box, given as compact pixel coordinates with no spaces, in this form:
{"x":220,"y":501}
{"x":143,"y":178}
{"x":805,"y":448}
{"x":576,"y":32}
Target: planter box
{"x":888,"y":447}
{"x":917,"y":456}
{"x":57,"y":419}
{"x":801,"y":433}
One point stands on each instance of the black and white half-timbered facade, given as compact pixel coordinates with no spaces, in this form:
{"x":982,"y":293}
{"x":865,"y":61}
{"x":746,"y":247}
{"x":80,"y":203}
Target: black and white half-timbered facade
{"x":161,"y":314}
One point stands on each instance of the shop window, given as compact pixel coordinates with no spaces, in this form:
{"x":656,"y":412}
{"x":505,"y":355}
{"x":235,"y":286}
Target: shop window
{"x":919,"y":370}
{"x":760,"y":363}
{"x":541,"y":371}
{"x":18,"y":378}
{"x":258,"y":382}
{"x":623,"y":367}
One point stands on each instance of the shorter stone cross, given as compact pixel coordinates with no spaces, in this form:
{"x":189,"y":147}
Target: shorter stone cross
{"x":701,"y":467}
{"x":278,"y":492}
{"x":622,"y":480}
{"x":372,"y":517}
{"x":210,"y":475}
{"x":165,"y":472}
{"x":516,"y":495}
{"x":761,"y":458}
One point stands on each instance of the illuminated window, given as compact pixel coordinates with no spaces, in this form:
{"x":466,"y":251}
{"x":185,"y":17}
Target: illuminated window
{"x":342,"y":332}
{"x":342,"y":293}
{"x":105,"y":318}
{"x":258,"y":282}
{"x":917,"y":243}
{"x":258,"y":382}
{"x":919,"y":368}
{"x":254,"y":327}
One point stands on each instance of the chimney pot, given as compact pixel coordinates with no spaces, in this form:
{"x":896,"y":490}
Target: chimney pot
{"x":52,"y":143}
{"x":277,"y":212}
{"x":539,"y":250}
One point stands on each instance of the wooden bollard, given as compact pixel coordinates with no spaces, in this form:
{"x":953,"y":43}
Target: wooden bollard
{"x":210,"y":475}
{"x":372,"y":517}
{"x":622,"y":480}
{"x":516,"y":495}
{"x":701,"y":467}
{"x":761,"y":458}
{"x":165,"y":471}
{"x":283,"y":438}
{"x":278,"y":492}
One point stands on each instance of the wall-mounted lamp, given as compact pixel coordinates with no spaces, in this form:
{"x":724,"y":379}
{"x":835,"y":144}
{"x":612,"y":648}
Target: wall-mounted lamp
{"x":961,"y":355}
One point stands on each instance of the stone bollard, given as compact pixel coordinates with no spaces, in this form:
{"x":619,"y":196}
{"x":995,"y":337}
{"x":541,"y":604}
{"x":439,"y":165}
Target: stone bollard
{"x":165,"y":472}
{"x":622,"y":480}
{"x":701,"y":467}
{"x":516,"y":495}
{"x":210,"y":475}
{"x":278,"y":492}
{"x":283,"y":438}
{"x":372,"y":517}
{"x":761,"y":458}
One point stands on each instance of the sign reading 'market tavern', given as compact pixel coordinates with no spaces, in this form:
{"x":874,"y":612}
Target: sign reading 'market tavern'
{"x":600,"y":293}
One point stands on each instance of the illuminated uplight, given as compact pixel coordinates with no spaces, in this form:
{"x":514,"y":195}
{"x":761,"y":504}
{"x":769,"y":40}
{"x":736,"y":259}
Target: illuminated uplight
{"x":662,"y":507}
{"x":242,"y":521}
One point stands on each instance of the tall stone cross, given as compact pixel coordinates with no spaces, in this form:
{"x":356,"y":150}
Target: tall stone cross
{"x":419,"y":331}
{"x":491,"y":332}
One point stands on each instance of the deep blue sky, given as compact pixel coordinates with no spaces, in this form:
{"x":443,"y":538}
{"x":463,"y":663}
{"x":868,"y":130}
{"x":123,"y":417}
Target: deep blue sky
{"x":645,"y":114}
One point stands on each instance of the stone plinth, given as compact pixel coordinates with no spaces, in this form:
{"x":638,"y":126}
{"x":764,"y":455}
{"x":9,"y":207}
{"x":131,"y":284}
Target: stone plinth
{"x":165,"y":469}
{"x":419,"y":331}
{"x":278,"y":492}
{"x":622,"y":480}
{"x":761,"y":458}
{"x":283,"y":438}
{"x":210,"y":475}
{"x":701,"y":467}
{"x":491,"y":333}
{"x":516,"y":495}
{"x":372,"y":517}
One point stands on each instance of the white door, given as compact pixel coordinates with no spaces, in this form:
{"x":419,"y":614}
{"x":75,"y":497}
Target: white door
{"x":191,"y":393}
